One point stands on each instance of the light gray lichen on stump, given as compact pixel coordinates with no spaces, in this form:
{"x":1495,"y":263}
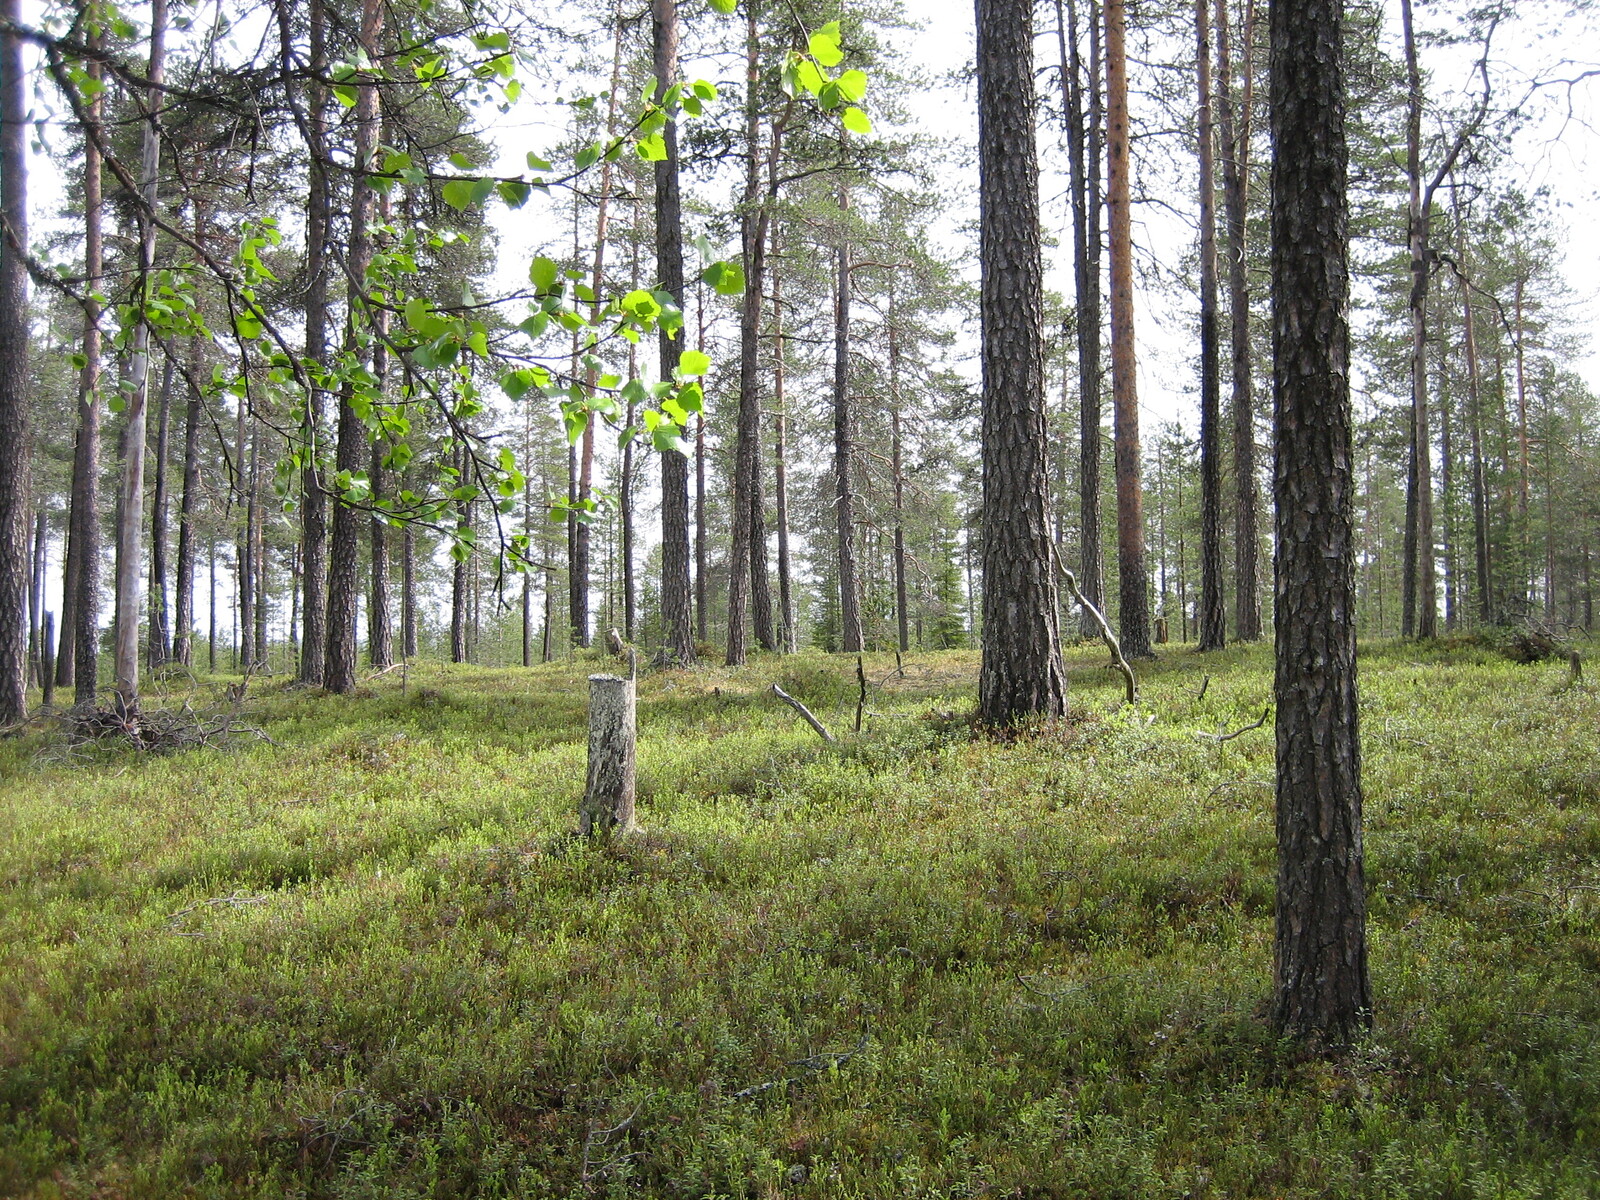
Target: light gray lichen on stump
{"x":608,"y":799}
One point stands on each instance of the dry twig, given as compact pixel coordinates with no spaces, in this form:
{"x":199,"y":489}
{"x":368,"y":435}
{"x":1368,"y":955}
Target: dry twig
{"x":805,"y":712}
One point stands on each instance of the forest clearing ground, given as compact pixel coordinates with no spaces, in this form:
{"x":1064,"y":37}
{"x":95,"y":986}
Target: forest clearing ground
{"x":364,"y":962}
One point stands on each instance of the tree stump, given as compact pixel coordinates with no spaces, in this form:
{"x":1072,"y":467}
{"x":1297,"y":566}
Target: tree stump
{"x":1162,"y":633}
{"x":608,"y":798}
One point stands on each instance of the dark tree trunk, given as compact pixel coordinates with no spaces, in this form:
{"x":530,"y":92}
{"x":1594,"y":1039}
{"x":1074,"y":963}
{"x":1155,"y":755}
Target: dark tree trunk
{"x":14,"y":384}
{"x":780,"y":486}
{"x":41,"y":534}
{"x":408,"y":592}
{"x":1213,"y":622}
{"x":313,"y":501}
{"x":897,"y":467}
{"x":460,"y":584}
{"x":160,"y":631}
{"x":183,"y":618}
{"x":677,"y":598}
{"x":1234,"y":124}
{"x":850,"y":638}
{"x":1022,"y":675}
{"x":1133,"y":587}
{"x":245,"y":548}
{"x":339,"y":669}
{"x":78,"y":664}
{"x":1320,"y":962}
{"x":380,"y":616}
{"x":1083,"y":153}
{"x":1480,"y":490}
{"x":211,"y":607}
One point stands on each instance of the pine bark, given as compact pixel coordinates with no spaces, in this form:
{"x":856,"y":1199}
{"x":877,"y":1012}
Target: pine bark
{"x":1480,"y":490}
{"x":159,"y":627}
{"x":14,"y":383}
{"x":1022,"y":675}
{"x":380,"y":611}
{"x":897,"y":467}
{"x":780,"y":487}
{"x":608,"y":798}
{"x":79,"y":660}
{"x":1421,"y":577}
{"x":1133,"y":588}
{"x":1083,"y":155}
{"x":130,"y":519}
{"x":1234,"y":126}
{"x":339,"y":670}
{"x":850,"y":635}
{"x":313,"y":499}
{"x":188,"y":506}
{"x":1323,"y":994}
{"x":1213,"y":623}
{"x":677,"y":596}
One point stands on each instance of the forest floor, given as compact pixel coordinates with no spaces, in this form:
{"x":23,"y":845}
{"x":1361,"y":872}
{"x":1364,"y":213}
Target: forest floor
{"x":367,"y":961}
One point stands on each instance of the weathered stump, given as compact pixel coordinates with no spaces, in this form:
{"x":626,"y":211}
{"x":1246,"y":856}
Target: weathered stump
{"x":608,"y":798}
{"x":1162,"y":632}
{"x":47,"y":659}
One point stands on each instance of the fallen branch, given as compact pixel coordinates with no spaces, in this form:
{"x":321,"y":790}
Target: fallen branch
{"x":216,"y":901}
{"x":1206,"y":683}
{"x":1219,"y":738}
{"x":808,"y":1066}
{"x":805,"y":712}
{"x":1106,"y":635}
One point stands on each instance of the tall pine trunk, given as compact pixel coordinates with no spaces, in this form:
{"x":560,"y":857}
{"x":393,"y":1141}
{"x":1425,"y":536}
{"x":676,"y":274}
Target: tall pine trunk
{"x":79,"y":660}
{"x":1421,"y":601}
{"x":313,"y":500}
{"x":160,"y":631}
{"x":677,"y":598}
{"x":1323,"y":994}
{"x":1022,"y":675}
{"x":850,"y":637}
{"x":1083,"y":154}
{"x":14,"y":384}
{"x":1213,"y":623}
{"x":1133,"y":588}
{"x":1234,"y":125}
{"x":780,"y":472}
{"x":130,"y":519}
{"x":188,"y":505}
{"x":339,"y":672}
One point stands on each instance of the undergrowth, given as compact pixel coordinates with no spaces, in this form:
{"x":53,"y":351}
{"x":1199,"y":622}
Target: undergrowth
{"x":365,"y":961}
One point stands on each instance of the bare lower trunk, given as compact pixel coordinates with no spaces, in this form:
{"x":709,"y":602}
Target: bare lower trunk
{"x":1234,"y":124}
{"x":14,"y":383}
{"x":1133,"y":588}
{"x":850,"y":637}
{"x":313,"y":501}
{"x":183,"y":613}
{"x":1323,"y":994}
{"x":130,"y":524}
{"x":1213,"y":622}
{"x":408,"y":592}
{"x":677,"y":598}
{"x":1022,"y":675}
{"x":780,"y":486}
{"x":160,"y":634}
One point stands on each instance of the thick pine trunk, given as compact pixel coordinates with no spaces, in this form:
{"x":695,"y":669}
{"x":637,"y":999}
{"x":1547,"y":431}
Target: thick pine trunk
{"x":1320,"y":963}
{"x":677,"y":596}
{"x":1022,"y":675}
{"x":1213,"y":623}
{"x":1133,"y":588}
{"x":14,"y":383}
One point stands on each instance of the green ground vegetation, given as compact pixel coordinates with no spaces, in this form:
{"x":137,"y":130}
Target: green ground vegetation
{"x":367,"y":961}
